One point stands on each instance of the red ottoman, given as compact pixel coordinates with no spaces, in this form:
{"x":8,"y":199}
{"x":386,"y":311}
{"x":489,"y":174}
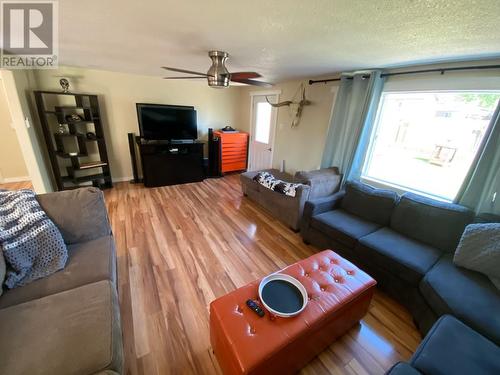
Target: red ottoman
{"x":339,"y":296}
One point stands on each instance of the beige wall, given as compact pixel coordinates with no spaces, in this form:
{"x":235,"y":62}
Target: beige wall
{"x":301,"y":147}
{"x":120,"y":91}
{"x":18,"y":86}
{"x":12,"y":167}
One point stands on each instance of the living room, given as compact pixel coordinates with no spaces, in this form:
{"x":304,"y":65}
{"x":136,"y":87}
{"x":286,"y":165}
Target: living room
{"x":310,"y":188}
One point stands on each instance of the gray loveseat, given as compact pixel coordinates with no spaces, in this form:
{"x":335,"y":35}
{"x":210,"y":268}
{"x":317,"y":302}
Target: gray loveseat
{"x":69,"y":322}
{"x":315,"y":184}
{"x":407,"y":244}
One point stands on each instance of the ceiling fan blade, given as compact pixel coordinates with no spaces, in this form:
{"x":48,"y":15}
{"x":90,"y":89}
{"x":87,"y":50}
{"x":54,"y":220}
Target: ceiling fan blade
{"x":185,"y":71}
{"x":197,"y":77}
{"x":245,"y":75}
{"x":252,"y":82}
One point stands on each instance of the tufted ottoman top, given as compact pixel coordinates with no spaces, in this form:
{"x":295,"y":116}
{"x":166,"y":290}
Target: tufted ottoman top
{"x":243,"y":341}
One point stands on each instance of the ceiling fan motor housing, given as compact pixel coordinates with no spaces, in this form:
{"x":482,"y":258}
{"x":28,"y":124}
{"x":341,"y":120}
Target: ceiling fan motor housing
{"x":218,"y":75}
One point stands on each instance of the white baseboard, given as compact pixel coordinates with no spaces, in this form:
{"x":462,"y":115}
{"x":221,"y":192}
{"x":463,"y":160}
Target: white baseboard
{"x":7,"y":180}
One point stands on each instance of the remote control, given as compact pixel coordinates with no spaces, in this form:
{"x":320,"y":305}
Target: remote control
{"x":256,"y":308}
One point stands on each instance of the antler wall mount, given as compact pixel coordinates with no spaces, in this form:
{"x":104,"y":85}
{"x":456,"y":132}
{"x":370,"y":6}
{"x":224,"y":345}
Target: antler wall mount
{"x":295,"y":107}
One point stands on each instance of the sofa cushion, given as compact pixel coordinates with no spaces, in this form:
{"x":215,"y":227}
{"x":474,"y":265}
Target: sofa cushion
{"x":268,"y":180}
{"x":468,"y":295}
{"x":88,"y":262}
{"x":92,"y":219}
{"x":72,"y":332}
{"x":407,"y":258}
{"x":343,"y":226}
{"x":435,"y":223}
{"x":451,"y":347}
{"x":369,"y":203}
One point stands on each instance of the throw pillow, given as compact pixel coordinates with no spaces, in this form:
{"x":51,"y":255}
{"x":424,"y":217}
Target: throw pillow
{"x":267,"y":180}
{"x":479,"y":250}
{"x":32,"y":245}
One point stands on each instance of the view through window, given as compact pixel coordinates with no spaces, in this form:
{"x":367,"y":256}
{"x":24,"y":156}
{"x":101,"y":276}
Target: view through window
{"x":427,"y":141}
{"x":263,"y":122}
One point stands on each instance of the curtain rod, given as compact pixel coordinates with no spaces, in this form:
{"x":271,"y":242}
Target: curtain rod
{"x":440,"y":70}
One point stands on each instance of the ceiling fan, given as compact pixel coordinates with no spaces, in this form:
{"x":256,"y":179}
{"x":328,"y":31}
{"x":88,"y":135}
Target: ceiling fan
{"x":218,"y":76}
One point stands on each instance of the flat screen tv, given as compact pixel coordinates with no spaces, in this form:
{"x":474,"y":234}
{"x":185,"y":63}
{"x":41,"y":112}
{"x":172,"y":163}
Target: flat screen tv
{"x":167,"y":122}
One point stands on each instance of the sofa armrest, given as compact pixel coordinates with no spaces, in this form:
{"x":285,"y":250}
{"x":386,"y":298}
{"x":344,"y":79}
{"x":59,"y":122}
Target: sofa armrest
{"x":317,"y":206}
{"x":324,"y":182}
{"x":320,"y":205}
{"x":79,"y":214}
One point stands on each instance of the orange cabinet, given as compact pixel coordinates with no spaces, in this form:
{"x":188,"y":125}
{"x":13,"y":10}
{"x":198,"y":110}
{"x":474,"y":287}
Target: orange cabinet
{"x":233,"y":151}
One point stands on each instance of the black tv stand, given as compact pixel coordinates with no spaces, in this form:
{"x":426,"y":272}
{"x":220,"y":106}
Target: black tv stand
{"x":170,"y":162}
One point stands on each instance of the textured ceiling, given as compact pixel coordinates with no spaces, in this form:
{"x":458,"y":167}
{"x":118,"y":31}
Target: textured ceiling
{"x":281,"y":39}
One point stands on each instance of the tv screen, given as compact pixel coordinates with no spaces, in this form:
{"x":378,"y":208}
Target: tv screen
{"x":167,"y":122}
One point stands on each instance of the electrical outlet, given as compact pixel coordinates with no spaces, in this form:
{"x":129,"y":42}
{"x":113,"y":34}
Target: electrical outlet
{"x":27,"y":122}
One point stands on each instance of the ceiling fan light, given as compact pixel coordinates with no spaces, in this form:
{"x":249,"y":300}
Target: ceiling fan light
{"x":218,"y":75}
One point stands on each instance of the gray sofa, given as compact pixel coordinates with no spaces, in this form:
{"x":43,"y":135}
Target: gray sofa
{"x":315,"y":184}
{"x":451,"y":347}
{"x":69,"y":322}
{"x":407,"y":244}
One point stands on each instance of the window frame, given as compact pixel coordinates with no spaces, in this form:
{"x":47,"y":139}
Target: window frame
{"x":400,"y":189}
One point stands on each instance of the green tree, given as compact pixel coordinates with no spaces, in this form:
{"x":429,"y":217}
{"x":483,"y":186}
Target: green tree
{"x":487,"y":101}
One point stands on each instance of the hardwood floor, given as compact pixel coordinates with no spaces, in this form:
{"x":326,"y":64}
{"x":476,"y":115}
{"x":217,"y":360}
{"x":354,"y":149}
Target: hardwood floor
{"x":180,"y":247}
{"x":17,"y":185}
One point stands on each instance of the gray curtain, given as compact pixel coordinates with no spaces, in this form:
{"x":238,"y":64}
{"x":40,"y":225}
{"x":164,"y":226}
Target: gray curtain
{"x":481,"y":188}
{"x":352,"y":122}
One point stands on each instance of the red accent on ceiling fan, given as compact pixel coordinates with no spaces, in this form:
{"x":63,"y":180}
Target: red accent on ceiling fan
{"x":252,"y":82}
{"x":244,"y":75}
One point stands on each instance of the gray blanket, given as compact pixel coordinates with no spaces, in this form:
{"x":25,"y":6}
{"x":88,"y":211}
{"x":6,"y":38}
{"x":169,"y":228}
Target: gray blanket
{"x":479,"y":250}
{"x":31,"y":243}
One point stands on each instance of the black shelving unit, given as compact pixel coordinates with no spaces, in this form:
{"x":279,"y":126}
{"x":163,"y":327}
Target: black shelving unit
{"x":76,"y":158}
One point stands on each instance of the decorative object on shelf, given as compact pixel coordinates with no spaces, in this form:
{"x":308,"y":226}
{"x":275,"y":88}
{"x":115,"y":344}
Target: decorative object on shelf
{"x":229,"y":129}
{"x":74,"y":117}
{"x":64,"y":84}
{"x":91,"y":136}
{"x":76,"y":157}
{"x":62,"y":129}
{"x":294,"y":106}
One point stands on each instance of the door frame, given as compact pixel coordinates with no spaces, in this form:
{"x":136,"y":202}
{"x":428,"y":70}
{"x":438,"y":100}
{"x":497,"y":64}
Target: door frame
{"x":18,"y":102}
{"x":253,"y":94}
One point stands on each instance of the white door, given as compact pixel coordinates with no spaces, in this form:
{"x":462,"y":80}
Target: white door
{"x":263,"y":127}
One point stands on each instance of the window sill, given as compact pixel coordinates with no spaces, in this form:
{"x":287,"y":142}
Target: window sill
{"x":399,"y":189}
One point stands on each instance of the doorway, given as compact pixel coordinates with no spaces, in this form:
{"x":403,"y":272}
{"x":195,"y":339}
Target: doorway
{"x":263,"y":118}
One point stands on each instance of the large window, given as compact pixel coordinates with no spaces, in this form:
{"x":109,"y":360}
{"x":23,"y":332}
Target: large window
{"x":426,"y":141}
